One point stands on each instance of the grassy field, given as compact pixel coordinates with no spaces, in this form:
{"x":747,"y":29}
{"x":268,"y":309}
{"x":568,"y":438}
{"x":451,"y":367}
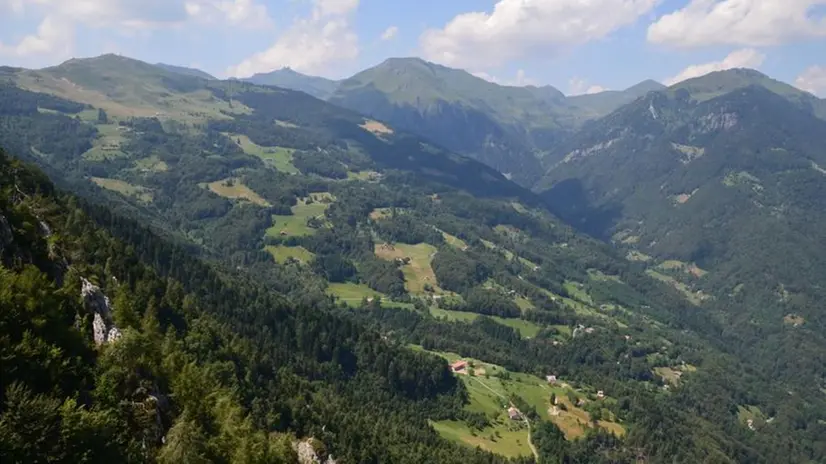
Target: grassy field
{"x":142,"y":194}
{"x":499,"y":440}
{"x":526,"y":328}
{"x":130,"y":92}
{"x":454,"y":241}
{"x":489,"y":391}
{"x":352,"y":293}
{"x":577,"y":292}
{"x":107,"y":144}
{"x":151,"y":164}
{"x":689,"y":268}
{"x":234,"y":189}
{"x":634,"y":255}
{"x":363,"y":175}
{"x":281,"y":158}
{"x":694,"y":297}
{"x":296,"y":224}
{"x":283,"y":253}
{"x":418,"y":272}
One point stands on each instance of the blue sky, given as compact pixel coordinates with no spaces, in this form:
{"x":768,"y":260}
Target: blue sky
{"x":575,"y":45}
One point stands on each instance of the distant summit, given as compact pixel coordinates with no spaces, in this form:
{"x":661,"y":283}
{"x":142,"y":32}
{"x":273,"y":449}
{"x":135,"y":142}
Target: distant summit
{"x":287,"y":78}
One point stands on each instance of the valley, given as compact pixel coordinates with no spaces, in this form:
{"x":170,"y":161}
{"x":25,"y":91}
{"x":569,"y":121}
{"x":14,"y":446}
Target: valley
{"x":291,"y":259}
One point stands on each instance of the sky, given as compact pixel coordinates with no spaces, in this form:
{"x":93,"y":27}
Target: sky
{"x":578,"y":46}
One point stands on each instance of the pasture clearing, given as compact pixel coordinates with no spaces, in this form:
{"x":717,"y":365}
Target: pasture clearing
{"x":151,"y":164}
{"x":689,"y":268}
{"x":142,"y":194}
{"x":489,"y":390}
{"x":234,"y":189}
{"x":296,"y":225}
{"x":527,"y":329}
{"x":696,"y":298}
{"x":279,"y":157}
{"x":281,"y":254}
{"x":108,"y":143}
{"x":418,"y":271}
{"x":353,"y":294}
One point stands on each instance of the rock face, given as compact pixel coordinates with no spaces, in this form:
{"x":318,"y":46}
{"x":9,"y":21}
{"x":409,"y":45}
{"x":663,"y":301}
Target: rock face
{"x":6,"y":236}
{"x":103,"y":326}
{"x":308,"y":455}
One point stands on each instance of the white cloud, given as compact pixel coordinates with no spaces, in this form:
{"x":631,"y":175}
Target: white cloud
{"x":245,"y":13}
{"x":53,"y":38}
{"x":813,"y":80}
{"x":579,"y":86}
{"x":335,"y":7}
{"x":390,"y":33}
{"x":518,"y":80}
{"x":112,"y":13}
{"x":15,"y":6}
{"x":739,"y":22}
{"x":515,"y":28}
{"x":743,"y":58}
{"x":310,"y":45}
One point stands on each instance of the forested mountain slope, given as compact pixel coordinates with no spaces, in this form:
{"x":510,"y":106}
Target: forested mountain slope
{"x":500,"y":126}
{"x":731,"y":187}
{"x":375,"y":240}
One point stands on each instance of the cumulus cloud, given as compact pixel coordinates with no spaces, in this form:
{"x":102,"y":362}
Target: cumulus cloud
{"x":579,"y":86}
{"x":743,"y":58}
{"x":310,"y":45}
{"x":53,"y":38}
{"x":813,"y":80}
{"x":390,"y":33}
{"x":739,"y":22}
{"x":515,"y":28}
{"x":110,"y":13}
{"x":519,"y":80}
{"x":245,"y":13}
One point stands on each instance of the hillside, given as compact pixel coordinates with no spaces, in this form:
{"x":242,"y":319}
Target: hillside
{"x":500,"y":126}
{"x":721,"y":82}
{"x":318,"y":87}
{"x":185,"y":71}
{"x":335,"y":242}
{"x":732,"y":185}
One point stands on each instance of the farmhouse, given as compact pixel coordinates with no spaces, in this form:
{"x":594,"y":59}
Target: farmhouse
{"x":514,"y":413}
{"x":600,"y":394}
{"x":458,"y":366}
{"x":551,"y":379}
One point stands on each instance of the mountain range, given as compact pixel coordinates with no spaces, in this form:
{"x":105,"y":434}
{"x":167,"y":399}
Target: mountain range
{"x":613,"y":277}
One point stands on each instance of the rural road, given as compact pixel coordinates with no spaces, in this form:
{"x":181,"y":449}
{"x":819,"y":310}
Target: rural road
{"x":527,"y":422}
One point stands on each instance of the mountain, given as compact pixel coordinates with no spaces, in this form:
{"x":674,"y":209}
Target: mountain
{"x":274,"y":263}
{"x":602,"y":103}
{"x":721,"y":82}
{"x":186,"y":71}
{"x":318,"y":87}
{"x":729,"y":187}
{"x":500,"y":126}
